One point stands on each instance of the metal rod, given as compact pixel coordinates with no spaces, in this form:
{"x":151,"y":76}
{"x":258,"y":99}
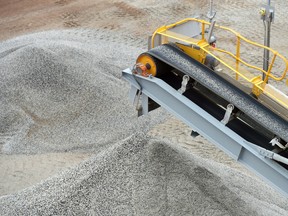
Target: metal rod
{"x":266,"y":43}
{"x":211,"y":2}
{"x":238,"y":57}
{"x":210,"y":33}
{"x":211,"y":14}
{"x":267,"y":24}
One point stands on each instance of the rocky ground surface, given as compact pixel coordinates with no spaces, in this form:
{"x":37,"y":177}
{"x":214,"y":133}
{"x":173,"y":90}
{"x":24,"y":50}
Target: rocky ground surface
{"x":70,"y":141}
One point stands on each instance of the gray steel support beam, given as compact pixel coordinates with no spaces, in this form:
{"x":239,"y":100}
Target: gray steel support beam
{"x":210,"y":128}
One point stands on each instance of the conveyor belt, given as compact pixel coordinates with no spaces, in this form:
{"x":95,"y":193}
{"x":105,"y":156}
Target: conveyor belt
{"x":208,"y":78}
{"x":215,"y":106}
{"x":231,"y":138}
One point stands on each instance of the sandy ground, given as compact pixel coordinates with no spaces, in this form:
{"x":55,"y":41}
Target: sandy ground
{"x":127,"y":23}
{"x":21,"y":171}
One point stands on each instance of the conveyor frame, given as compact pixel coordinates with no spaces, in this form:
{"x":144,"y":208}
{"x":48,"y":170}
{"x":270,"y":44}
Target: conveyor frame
{"x":254,"y":157}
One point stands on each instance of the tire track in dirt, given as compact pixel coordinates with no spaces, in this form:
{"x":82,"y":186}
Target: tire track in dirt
{"x":127,"y":10}
{"x":63,"y":2}
{"x":125,"y":16}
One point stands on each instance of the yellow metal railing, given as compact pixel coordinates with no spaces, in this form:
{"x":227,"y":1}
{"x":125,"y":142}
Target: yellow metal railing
{"x":203,"y":45}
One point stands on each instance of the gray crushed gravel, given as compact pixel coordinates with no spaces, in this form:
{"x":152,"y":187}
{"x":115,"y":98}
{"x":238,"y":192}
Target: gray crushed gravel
{"x":144,"y":176}
{"x":62,"y":91}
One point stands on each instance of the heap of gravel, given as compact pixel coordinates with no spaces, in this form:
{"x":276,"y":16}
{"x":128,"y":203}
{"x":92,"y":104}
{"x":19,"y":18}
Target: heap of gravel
{"x":62,"y":91}
{"x":144,"y":176}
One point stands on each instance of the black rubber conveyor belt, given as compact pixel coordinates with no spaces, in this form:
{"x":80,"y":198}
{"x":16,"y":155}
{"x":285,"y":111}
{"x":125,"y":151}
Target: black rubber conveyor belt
{"x":208,"y":78}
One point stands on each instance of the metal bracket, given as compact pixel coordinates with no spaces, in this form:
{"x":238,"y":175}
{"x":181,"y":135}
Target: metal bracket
{"x":141,"y":107}
{"x":194,"y":133}
{"x":137,"y":99}
{"x":272,"y":155}
{"x":265,"y":153}
{"x":275,"y":141}
{"x":267,"y":13}
{"x":184,"y":83}
{"x":228,"y":113}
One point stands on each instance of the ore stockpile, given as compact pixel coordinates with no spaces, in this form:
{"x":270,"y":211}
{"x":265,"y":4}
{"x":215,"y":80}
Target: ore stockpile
{"x":58,"y":93}
{"x":61,"y":91}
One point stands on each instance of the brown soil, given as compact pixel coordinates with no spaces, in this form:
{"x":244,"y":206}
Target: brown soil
{"x":20,"y":17}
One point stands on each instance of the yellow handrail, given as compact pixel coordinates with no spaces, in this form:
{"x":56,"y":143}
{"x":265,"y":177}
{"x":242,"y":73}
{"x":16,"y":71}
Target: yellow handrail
{"x":268,"y":73}
{"x":238,"y":59}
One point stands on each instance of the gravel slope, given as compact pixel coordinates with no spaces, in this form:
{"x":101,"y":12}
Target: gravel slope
{"x":61,"y":91}
{"x":144,"y":176}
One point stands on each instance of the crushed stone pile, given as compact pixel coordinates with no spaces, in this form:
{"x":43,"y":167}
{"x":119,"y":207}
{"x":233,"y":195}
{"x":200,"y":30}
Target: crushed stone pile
{"x":62,"y":91}
{"x":144,"y":176}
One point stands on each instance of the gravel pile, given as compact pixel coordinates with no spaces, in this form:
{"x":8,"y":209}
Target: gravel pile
{"x":144,"y":176}
{"x":62,"y":91}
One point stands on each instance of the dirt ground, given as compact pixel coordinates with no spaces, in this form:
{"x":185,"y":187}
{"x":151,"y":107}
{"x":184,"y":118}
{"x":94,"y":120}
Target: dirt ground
{"x":20,"y":17}
{"x":131,"y":23}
